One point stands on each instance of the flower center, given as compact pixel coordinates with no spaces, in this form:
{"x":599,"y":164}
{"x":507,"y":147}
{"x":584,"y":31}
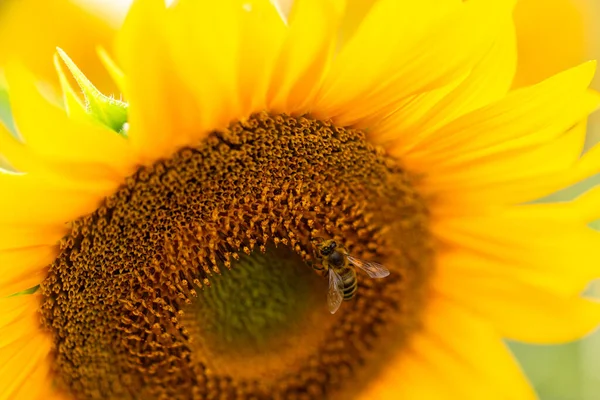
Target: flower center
{"x":194,"y":279}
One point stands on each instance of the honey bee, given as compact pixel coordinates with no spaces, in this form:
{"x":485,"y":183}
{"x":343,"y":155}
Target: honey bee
{"x":336,"y":261}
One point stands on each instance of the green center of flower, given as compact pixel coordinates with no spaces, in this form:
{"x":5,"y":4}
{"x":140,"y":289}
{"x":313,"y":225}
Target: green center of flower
{"x":263,"y":297}
{"x":194,"y":279}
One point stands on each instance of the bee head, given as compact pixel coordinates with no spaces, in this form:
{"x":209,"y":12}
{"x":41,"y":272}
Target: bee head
{"x":327,"y":247}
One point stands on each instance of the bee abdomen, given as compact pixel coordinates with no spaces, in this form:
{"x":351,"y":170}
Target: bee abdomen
{"x":350,"y":290}
{"x":350,"y":284}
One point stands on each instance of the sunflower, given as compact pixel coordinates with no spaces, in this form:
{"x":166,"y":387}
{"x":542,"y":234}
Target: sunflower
{"x":164,"y":247}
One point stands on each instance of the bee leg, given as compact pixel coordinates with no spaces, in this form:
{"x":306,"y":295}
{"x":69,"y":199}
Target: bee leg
{"x":319,"y":269}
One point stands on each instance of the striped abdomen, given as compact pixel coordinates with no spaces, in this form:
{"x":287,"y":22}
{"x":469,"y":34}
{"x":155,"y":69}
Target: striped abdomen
{"x":348,"y":274}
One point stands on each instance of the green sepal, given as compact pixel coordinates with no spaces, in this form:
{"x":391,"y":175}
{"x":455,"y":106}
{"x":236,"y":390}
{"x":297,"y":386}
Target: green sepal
{"x":106,"y":110}
{"x":31,"y":290}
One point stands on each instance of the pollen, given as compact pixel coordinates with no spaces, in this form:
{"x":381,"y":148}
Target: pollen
{"x":194,"y":279}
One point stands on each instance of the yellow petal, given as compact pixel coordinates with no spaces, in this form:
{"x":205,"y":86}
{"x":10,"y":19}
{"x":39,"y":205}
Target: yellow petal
{"x":111,"y":66}
{"x":162,"y":113}
{"x":17,"y":318}
{"x":262,"y":34}
{"x":22,"y":158}
{"x":18,"y":236}
{"x":38,"y":385}
{"x":478,"y":90}
{"x":354,"y":13}
{"x":405,"y":127}
{"x":446,"y":354}
{"x":24,"y":268}
{"x":197,"y":30}
{"x":585,"y":208}
{"x":431,"y":50}
{"x":551,"y":38}
{"x":537,"y":140}
{"x":509,"y":162}
{"x":520,"y":311}
{"x":583,"y":168}
{"x":17,"y":155}
{"x":522,"y":182}
{"x":505,"y":178}
{"x":30,"y":201}
{"x":400,"y":119}
{"x":24,"y":349}
{"x":523,"y":118}
{"x":306,"y":52}
{"x":561,"y":257}
{"x":364,"y":60}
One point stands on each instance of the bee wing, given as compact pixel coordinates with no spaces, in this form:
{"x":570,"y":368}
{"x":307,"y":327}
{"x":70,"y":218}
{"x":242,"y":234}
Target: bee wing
{"x":335,"y":294}
{"x":373,"y":269}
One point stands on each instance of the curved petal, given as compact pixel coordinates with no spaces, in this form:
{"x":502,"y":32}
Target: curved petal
{"x":162,"y":112}
{"x":37,"y":201}
{"x":523,"y":118}
{"x":193,"y":94}
{"x":508,"y":178}
{"x":24,"y":349}
{"x":262,"y":34}
{"x":584,"y":209}
{"x":439,"y":107}
{"x":555,"y":42}
{"x":446,"y":354}
{"x":16,"y":153}
{"x":510,"y":162}
{"x":520,"y":311}
{"x":431,"y":49}
{"x":22,"y":158}
{"x":305,"y":55}
{"x":18,"y":236}
{"x":364,"y":60}
{"x":558,"y":257}
{"x":24,"y":268}
{"x":195,"y":31}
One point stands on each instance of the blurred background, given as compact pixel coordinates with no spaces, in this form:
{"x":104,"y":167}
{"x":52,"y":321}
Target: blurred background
{"x":552,"y":35}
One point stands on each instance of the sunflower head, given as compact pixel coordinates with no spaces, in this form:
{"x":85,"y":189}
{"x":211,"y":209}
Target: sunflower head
{"x":190,"y":240}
